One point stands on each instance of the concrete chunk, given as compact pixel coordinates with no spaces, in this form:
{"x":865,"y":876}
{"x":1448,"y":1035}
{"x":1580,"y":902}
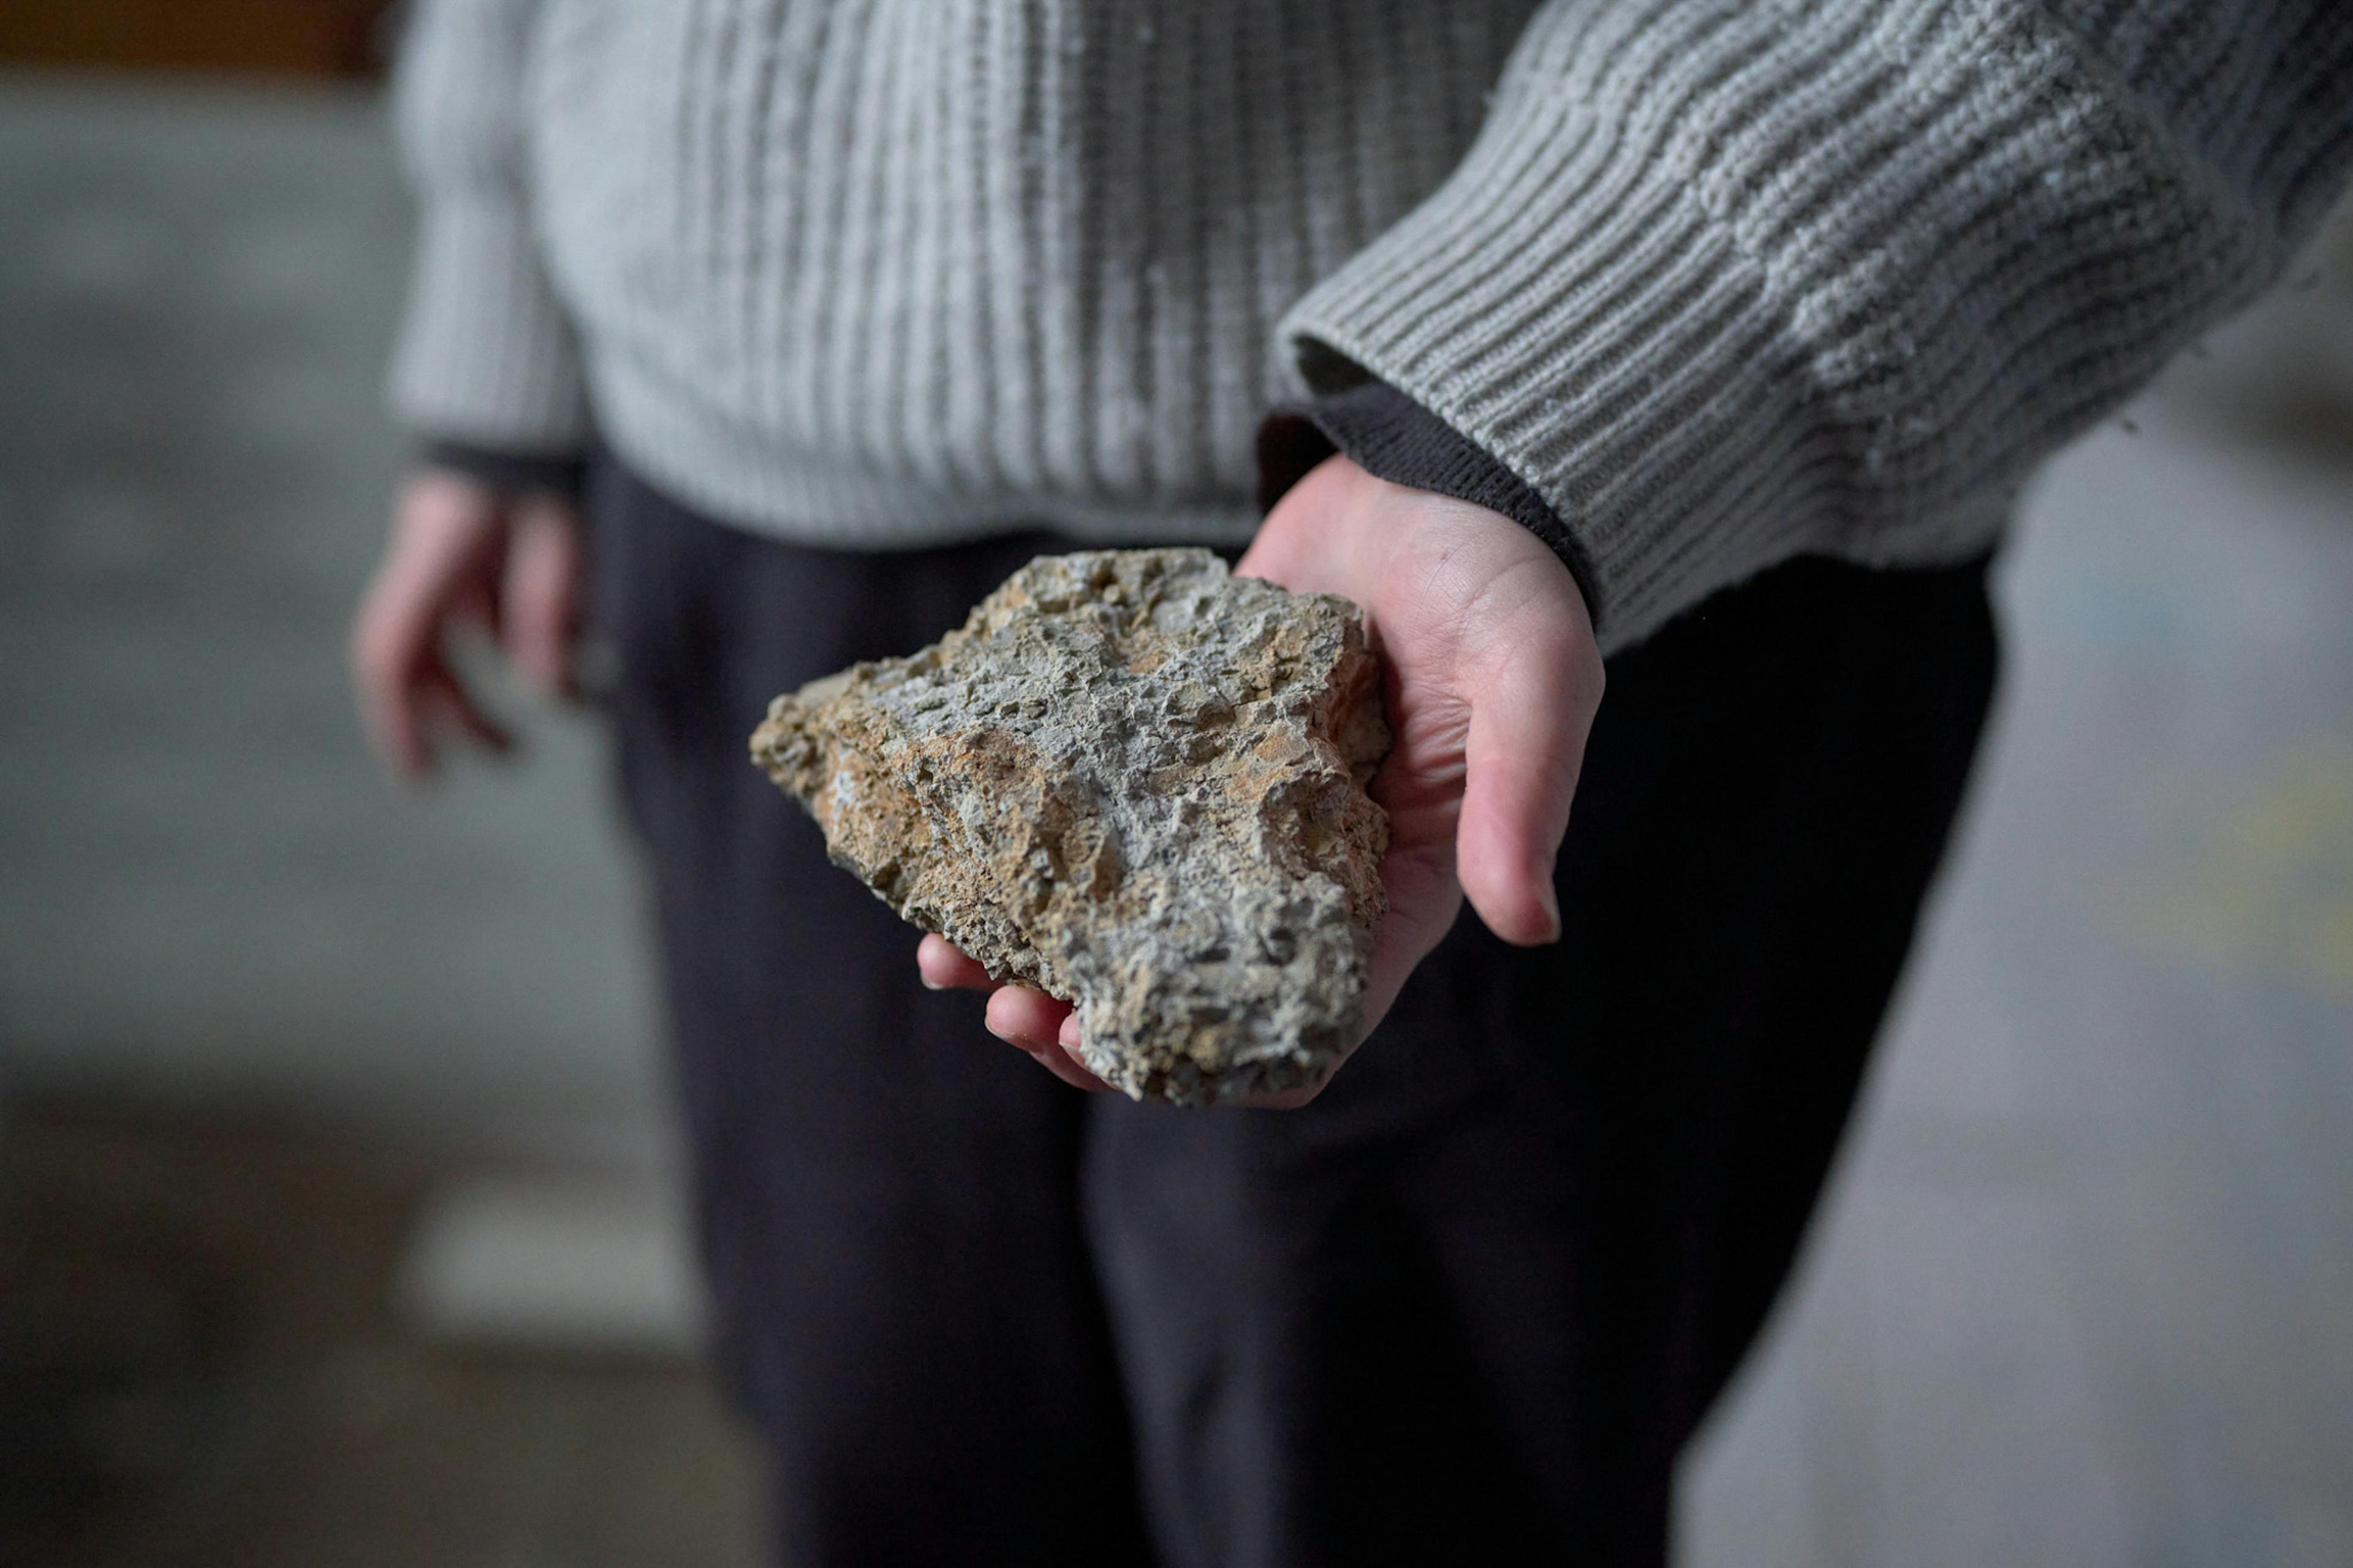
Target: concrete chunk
{"x":1137,"y":784}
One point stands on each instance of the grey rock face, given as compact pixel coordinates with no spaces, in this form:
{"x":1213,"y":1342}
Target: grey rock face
{"x":1135,"y":783}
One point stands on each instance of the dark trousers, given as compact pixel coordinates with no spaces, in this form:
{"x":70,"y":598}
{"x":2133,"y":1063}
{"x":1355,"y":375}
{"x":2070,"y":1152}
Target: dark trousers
{"x":1469,"y":1305}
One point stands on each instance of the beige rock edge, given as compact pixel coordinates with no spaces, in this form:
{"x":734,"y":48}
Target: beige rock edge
{"x":1137,"y":784}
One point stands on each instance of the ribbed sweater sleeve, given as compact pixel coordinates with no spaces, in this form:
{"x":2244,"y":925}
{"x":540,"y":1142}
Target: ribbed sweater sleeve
{"x":486,"y":355}
{"x":1727,"y":281}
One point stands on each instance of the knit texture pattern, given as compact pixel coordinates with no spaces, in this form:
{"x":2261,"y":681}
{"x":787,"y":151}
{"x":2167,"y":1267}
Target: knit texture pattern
{"x":1721,"y":281}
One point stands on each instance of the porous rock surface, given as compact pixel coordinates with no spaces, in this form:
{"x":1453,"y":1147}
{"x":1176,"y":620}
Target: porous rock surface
{"x":1135,"y":783}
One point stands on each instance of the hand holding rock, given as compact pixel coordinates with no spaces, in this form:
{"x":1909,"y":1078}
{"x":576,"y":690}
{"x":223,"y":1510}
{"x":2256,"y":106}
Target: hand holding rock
{"x":1493,"y":681}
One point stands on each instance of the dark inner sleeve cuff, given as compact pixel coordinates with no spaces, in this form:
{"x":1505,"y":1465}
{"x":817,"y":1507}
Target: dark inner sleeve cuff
{"x":1391,"y":436}
{"x":509,"y":473}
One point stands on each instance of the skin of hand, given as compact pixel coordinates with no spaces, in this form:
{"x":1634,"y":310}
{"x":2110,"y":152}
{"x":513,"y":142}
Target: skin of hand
{"x":462,"y":557}
{"x":1494,"y":681}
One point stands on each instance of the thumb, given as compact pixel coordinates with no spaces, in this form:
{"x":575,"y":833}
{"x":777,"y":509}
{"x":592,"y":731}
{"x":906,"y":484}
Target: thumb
{"x":1521,"y":757}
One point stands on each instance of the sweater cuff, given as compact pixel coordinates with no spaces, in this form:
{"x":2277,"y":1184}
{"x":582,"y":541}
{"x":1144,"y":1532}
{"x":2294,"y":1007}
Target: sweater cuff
{"x":486,"y":355}
{"x":1608,"y":347}
{"x":509,"y":473}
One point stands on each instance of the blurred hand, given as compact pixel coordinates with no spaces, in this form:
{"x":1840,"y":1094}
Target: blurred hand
{"x":1493,"y":680}
{"x":461,"y":556}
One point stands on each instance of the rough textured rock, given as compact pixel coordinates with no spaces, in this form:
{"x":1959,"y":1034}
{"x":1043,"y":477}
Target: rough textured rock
{"x":1137,"y":784}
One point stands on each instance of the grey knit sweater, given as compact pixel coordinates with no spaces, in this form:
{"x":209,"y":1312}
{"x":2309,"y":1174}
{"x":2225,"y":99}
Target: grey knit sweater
{"x":1722,"y":281}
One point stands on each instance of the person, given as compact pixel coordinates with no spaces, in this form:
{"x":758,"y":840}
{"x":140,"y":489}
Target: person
{"x":1696,"y":348}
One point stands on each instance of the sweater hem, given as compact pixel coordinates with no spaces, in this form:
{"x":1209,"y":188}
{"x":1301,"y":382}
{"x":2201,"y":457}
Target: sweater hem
{"x":752,"y":482}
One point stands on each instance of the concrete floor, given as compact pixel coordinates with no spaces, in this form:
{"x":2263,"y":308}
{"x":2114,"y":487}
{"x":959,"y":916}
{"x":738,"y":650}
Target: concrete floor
{"x":2079,"y":1297}
{"x":201,"y":1366}
{"x":2081,"y":1294}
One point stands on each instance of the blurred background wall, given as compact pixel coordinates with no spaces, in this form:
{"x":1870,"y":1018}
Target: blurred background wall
{"x":335,"y":1222}
{"x":212,"y":888}
{"x":333,"y":1152}
{"x":285,"y":37}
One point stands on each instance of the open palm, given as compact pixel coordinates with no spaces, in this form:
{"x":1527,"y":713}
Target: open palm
{"x":1493,"y":680}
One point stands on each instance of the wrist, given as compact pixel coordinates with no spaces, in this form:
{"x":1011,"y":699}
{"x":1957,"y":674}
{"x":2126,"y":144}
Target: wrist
{"x":1392,"y":438}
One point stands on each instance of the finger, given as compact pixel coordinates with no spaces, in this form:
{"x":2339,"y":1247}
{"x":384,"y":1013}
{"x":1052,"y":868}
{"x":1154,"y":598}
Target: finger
{"x":1066,"y":1048}
{"x":395,"y":727}
{"x":1526,"y":744}
{"x":443,"y":528}
{"x":387,"y":655}
{"x":389,"y":641}
{"x":539,"y":620}
{"x":945,"y":967}
{"x":1038,"y":1025}
{"x":1067,"y":1067}
{"x":1029,"y":1019}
